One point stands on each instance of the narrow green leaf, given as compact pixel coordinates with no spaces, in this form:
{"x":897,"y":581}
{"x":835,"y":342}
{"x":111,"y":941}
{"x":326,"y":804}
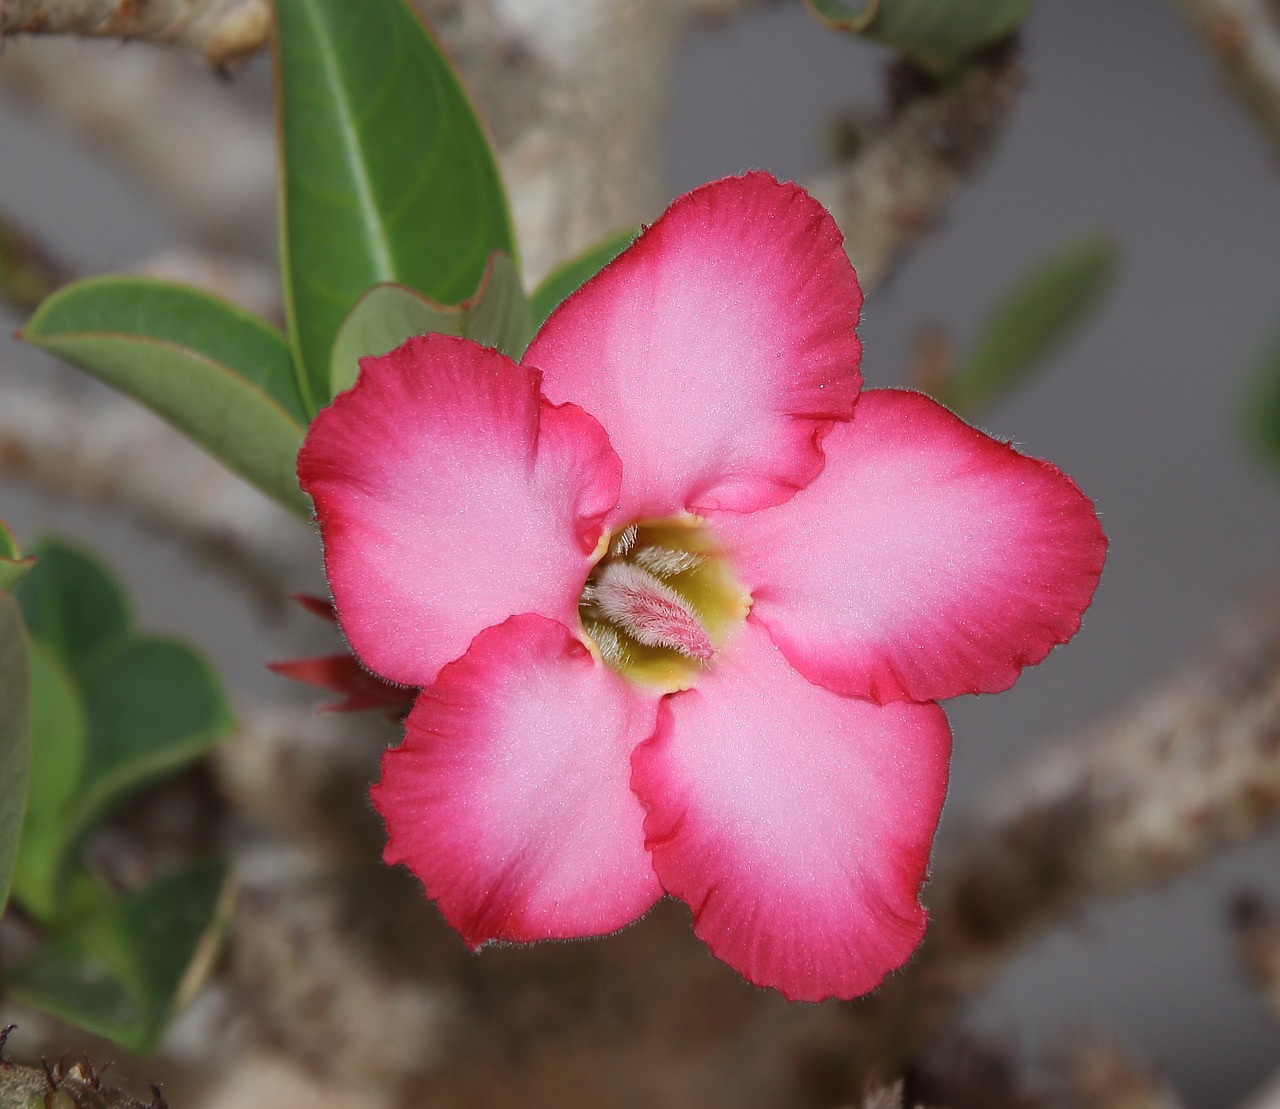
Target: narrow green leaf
{"x":71,"y":605}
{"x":939,"y":35}
{"x":58,"y":734}
{"x":577,"y":271}
{"x":387,"y":174}
{"x":221,"y":376}
{"x":12,"y":564}
{"x":125,"y":969}
{"x":180,"y":316}
{"x":1264,"y":406}
{"x":387,"y":315}
{"x":1034,"y":320}
{"x":15,"y":737}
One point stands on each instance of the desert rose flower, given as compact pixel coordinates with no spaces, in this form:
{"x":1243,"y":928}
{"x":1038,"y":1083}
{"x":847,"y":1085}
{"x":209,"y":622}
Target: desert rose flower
{"x":680,"y":601}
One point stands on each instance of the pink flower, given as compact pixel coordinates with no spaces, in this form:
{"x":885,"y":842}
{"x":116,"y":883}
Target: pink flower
{"x":679,"y":607}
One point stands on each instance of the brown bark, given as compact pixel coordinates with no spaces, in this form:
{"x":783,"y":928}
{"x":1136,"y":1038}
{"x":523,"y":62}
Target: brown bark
{"x":222,"y":30}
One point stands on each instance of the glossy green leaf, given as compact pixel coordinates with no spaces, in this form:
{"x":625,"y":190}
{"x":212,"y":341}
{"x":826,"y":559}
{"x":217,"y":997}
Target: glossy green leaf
{"x":497,"y":316}
{"x":15,"y":719}
{"x":12,"y":563}
{"x":1033,"y":321}
{"x":72,"y":605}
{"x":937,"y":34}
{"x":387,"y":174}
{"x":125,"y":968}
{"x":58,"y":734}
{"x":577,"y":271}
{"x":221,"y":376}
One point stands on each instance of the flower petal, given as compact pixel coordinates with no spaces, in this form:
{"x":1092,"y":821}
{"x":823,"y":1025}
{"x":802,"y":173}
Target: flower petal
{"x":795,"y":822}
{"x":509,"y":797}
{"x":450,"y":496}
{"x":927,"y":560}
{"x":715,"y":350}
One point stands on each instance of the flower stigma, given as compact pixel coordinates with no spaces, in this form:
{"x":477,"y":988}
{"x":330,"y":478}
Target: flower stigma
{"x":661,"y":601}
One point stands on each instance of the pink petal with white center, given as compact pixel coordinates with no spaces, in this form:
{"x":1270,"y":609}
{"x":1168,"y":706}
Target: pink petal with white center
{"x":451,"y":496}
{"x":509,"y":797}
{"x":927,"y":560}
{"x":716,"y":350}
{"x":795,"y":822}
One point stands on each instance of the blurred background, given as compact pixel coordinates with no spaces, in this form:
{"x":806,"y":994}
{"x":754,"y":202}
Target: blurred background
{"x":1126,"y":126}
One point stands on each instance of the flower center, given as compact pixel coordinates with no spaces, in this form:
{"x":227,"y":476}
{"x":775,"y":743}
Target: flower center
{"x":661,"y":601}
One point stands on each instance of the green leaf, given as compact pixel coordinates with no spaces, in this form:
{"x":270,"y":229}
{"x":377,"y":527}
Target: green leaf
{"x":111,"y":712}
{"x":1034,"y":320}
{"x":125,"y":969}
{"x":1264,"y":406}
{"x":8,"y":545}
{"x":387,"y":315}
{"x":15,"y":737}
{"x":577,"y":271}
{"x":153,"y":705}
{"x":58,"y":733}
{"x":12,"y":565}
{"x":72,"y":606}
{"x":939,"y":35}
{"x":387,"y":175}
{"x":499,"y":315}
{"x":221,"y":376}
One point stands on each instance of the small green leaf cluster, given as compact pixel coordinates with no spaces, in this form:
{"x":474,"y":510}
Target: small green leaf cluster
{"x":394,"y":222}
{"x":91,"y":711}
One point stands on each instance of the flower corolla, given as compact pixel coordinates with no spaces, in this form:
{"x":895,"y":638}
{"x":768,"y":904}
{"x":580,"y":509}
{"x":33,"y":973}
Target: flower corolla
{"x":680,"y":600}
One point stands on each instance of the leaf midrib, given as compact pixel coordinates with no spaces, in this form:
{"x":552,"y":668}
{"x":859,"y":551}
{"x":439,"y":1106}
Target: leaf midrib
{"x":380,"y":248}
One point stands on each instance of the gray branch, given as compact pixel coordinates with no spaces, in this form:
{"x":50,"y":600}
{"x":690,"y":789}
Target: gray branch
{"x":1245,"y":35}
{"x":222,"y":30}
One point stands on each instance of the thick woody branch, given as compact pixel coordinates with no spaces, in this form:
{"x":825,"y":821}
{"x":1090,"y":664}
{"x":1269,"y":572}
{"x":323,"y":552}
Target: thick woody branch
{"x":1268,"y":1097}
{"x":1187,"y":769}
{"x":1101,"y":1076}
{"x":1245,"y":35}
{"x":899,"y":173}
{"x":577,"y":98}
{"x":1257,"y":932}
{"x":1191,"y":766}
{"x":70,"y":1085}
{"x":222,"y":30}
{"x":204,"y":154}
{"x":112,"y":452}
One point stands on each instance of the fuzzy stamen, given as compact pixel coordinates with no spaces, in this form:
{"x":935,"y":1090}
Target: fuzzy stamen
{"x":650,"y":611}
{"x":666,"y":562}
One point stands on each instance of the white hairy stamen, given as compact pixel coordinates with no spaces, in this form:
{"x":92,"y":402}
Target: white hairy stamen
{"x":609,"y":642}
{"x":650,"y":611}
{"x":624,"y":541}
{"x":666,"y":562}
